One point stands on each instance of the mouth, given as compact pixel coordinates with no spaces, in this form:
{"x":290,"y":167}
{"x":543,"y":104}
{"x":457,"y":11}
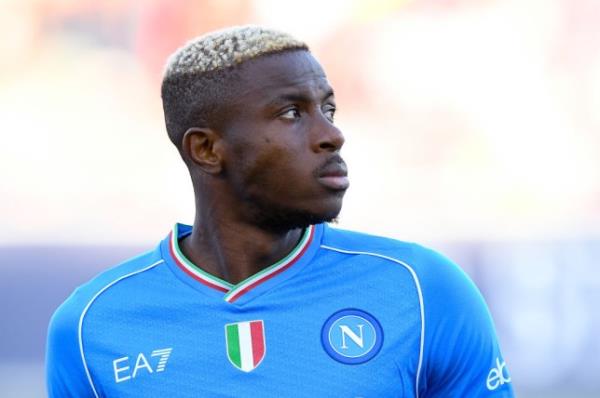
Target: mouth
{"x":334,"y":174}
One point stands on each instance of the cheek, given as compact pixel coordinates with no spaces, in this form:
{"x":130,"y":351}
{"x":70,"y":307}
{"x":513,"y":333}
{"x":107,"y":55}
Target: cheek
{"x":267,"y":165}
{"x":274,"y":172}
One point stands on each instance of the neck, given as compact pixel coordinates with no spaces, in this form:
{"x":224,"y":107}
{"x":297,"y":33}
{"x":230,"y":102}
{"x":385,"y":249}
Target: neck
{"x":234,"y":251}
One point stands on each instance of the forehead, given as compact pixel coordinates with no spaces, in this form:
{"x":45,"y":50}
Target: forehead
{"x":266,"y":77}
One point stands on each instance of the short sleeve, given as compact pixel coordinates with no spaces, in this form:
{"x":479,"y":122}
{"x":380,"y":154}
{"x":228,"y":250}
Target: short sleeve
{"x":461,"y":354}
{"x":65,"y":374}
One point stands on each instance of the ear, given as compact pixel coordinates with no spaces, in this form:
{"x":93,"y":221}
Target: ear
{"x":203,"y":146}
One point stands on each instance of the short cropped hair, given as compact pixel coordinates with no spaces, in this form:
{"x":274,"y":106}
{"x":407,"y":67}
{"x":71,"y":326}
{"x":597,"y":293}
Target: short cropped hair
{"x":198,"y":77}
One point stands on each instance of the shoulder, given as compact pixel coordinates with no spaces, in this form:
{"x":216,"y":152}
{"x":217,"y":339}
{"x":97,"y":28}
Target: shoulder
{"x":424,"y":262}
{"x":443,"y":287}
{"x":128,"y":268}
{"x":68,"y":314}
{"x":360,"y":243}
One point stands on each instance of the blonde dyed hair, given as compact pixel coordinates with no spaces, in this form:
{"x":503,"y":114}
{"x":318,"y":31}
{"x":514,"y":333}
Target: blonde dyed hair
{"x":228,"y":47}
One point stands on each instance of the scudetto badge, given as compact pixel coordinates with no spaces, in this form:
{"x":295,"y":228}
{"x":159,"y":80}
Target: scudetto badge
{"x":352,"y":336}
{"x":245,"y":344}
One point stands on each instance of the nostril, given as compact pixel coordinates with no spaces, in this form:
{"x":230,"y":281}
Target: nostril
{"x":327,"y":146}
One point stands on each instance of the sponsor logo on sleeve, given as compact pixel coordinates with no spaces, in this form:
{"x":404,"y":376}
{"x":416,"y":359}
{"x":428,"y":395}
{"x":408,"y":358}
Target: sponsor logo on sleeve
{"x":498,"y":376}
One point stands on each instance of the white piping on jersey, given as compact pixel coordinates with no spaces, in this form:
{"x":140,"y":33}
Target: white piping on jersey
{"x":421,"y":304}
{"x":87,"y":307}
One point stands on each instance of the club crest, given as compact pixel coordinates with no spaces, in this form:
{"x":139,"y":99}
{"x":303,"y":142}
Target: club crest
{"x":352,"y":336}
{"x":245,"y":343}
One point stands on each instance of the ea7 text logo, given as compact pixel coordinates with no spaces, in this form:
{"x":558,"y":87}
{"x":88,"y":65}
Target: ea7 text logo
{"x":123,"y":366}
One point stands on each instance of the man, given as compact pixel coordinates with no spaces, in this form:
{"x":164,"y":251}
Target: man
{"x":261,"y":298}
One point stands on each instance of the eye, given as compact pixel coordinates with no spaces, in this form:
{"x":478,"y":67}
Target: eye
{"x":329,"y":112}
{"x":290,"y":114}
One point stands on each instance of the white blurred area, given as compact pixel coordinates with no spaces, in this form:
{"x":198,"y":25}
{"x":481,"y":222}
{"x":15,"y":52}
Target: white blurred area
{"x":470,"y":124}
{"x":464,"y":119}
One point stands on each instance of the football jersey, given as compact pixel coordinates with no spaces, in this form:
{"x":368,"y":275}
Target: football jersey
{"x":345,"y":314}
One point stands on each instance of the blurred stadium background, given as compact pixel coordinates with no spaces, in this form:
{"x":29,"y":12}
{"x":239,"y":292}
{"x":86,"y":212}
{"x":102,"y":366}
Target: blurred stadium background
{"x":472,"y":126}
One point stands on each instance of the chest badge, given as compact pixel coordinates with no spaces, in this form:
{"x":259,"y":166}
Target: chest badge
{"x":245,"y":343}
{"x":352,"y":336}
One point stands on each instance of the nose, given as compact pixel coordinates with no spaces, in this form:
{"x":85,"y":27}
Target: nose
{"x":328,"y":137}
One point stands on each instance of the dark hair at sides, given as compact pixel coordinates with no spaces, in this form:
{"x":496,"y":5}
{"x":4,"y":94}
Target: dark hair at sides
{"x":195,"y":100}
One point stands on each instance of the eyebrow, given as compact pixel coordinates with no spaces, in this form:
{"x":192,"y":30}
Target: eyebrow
{"x":298,"y":97}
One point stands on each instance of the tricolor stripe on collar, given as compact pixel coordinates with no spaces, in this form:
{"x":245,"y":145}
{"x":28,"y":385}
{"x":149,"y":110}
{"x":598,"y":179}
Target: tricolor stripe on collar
{"x":234,"y":292}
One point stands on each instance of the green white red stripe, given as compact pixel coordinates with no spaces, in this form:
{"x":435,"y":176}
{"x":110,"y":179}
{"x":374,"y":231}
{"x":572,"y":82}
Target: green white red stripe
{"x":192,"y":270}
{"x":245,"y":344}
{"x":234,"y":292}
{"x":269,"y":272}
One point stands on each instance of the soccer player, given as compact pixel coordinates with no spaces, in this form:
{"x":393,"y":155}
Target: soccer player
{"x":261,"y":297}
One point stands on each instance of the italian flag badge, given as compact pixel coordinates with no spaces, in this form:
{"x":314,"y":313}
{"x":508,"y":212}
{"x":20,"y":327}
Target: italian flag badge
{"x":245,"y":344}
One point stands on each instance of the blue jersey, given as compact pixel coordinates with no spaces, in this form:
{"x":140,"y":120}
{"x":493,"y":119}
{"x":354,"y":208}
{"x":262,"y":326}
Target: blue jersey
{"x":343,"y":315}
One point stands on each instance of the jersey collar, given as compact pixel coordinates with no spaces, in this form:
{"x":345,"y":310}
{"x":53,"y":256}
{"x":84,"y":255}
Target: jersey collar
{"x":249,"y":288}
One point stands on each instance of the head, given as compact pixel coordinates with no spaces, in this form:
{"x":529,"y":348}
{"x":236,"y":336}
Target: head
{"x":251,"y":113}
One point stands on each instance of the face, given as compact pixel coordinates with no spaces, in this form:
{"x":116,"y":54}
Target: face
{"x":282,"y":149}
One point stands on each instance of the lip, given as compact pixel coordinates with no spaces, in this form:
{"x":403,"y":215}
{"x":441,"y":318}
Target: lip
{"x":334,"y":175}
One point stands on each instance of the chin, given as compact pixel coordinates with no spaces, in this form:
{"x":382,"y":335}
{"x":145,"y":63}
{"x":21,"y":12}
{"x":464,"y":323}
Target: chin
{"x":285,"y":215}
{"x":282,"y":220}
